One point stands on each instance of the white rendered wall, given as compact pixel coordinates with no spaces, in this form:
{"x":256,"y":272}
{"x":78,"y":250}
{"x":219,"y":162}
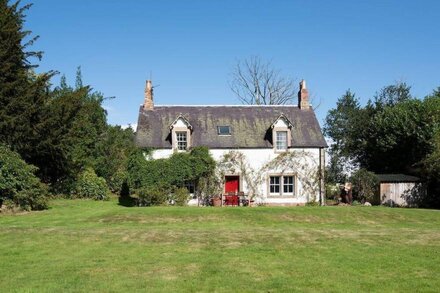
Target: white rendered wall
{"x":257,"y":158}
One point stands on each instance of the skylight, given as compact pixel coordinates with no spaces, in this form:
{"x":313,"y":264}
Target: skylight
{"x":224,"y":130}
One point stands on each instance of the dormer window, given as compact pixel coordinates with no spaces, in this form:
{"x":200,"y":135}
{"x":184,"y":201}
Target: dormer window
{"x":181,"y":133}
{"x":281,"y":140}
{"x":281,"y":133}
{"x":224,"y":130}
{"x":182,"y":143}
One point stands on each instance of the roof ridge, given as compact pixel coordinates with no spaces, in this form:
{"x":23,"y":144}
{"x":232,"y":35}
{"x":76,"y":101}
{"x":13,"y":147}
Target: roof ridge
{"x":293,"y":106}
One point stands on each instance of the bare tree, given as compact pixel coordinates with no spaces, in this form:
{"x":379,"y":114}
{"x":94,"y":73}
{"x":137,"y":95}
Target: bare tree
{"x":256,"y":82}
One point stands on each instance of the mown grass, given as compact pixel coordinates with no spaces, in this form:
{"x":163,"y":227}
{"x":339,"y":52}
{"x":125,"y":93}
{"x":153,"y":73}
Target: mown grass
{"x":89,"y":246}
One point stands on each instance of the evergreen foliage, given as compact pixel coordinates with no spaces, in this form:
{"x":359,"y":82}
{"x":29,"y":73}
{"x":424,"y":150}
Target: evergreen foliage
{"x":89,"y":185}
{"x":19,"y":187}
{"x":180,"y":196}
{"x":394,"y":133}
{"x":167,"y":174}
{"x":151,"y":196}
{"x":23,"y":93}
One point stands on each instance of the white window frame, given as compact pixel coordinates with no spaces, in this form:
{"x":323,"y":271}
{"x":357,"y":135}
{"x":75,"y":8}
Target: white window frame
{"x":278,"y":141}
{"x":179,"y":142}
{"x":275,"y":184}
{"x":224,"y":134}
{"x":292,"y":184}
{"x":281,"y":185}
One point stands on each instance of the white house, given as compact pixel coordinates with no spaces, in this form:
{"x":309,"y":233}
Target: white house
{"x":274,"y":153}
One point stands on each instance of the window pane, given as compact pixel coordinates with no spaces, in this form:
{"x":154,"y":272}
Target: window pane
{"x":224,"y":130}
{"x":274,"y":184}
{"x":288,"y":184}
{"x":190,"y":186}
{"x":281,"y":143}
{"x":181,"y":140}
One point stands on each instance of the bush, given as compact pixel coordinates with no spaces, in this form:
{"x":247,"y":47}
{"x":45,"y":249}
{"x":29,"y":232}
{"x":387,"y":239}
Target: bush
{"x":312,"y":203}
{"x":19,"y":187}
{"x":365,"y":185}
{"x":89,"y":185}
{"x":180,"y":196}
{"x":151,"y":196}
{"x":117,"y":180}
{"x":173,"y":171}
{"x":332,"y":191}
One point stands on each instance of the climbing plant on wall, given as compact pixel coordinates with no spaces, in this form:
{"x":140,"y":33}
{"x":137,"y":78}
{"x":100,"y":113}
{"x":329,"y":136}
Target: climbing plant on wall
{"x":301,"y":162}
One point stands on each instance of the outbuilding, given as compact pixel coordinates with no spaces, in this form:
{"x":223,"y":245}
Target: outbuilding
{"x":400,"y":189}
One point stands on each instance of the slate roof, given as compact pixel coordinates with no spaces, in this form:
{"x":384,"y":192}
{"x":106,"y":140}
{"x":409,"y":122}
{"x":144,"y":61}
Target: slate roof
{"x":396,"y":178}
{"x":250,"y":126}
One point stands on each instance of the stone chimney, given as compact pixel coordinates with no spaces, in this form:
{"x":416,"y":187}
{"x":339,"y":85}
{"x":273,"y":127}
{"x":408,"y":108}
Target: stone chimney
{"x":148,"y":102}
{"x":303,"y":96}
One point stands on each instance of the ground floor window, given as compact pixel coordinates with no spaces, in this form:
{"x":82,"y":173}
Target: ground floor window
{"x":288,"y":185}
{"x":274,"y":184}
{"x":280,"y":185}
{"x":190,"y":185}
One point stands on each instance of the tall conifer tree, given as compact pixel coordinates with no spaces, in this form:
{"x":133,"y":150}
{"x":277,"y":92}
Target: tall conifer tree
{"x":23,"y":93}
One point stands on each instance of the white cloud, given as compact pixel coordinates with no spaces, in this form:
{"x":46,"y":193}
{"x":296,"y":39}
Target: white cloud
{"x":133,"y":126}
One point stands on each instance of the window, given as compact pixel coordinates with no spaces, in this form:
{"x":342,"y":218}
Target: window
{"x":181,"y":140}
{"x":288,"y":185}
{"x":224,"y":130}
{"x":282,"y":185}
{"x":190,"y":186}
{"x":281,"y":143}
{"x":274,"y":184}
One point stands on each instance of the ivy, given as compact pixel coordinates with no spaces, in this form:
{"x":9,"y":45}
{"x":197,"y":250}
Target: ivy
{"x":171,"y":172}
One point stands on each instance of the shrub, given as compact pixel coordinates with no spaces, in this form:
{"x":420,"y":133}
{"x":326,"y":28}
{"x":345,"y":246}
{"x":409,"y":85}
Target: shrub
{"x":179,"y":168}
{"x":355,"y":203}
{"x":180,"y":196}
{"x":19,"y":187}
{"x":332,"y":191}
{"x":365,"y":185}
{"x":151,"y":196}
{"x":312,"y":203}
{"x":89,"y":185}
{"x":117,"y":180}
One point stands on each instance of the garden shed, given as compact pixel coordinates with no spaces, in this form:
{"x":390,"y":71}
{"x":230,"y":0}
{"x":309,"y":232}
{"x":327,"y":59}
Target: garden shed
{"x":399,"y":189}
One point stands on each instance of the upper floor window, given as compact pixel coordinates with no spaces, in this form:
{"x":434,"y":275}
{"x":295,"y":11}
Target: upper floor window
{"x":182,"y":142}
{"x":181,"y":131}
{"x":281,"y":140}
{"x":281,"y":134}
{"x":224,"y":130}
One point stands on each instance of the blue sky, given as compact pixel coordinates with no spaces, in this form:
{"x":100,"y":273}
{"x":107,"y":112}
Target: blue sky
{"x":190,"y":47}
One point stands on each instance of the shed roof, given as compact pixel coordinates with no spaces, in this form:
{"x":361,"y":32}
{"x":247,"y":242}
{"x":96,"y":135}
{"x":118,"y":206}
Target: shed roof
{"x":250,"y":126}
{"x":397,"y":178}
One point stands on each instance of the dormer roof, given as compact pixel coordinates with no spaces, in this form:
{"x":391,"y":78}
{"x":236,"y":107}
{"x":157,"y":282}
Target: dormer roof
{"x":182,"y":118}
{"x":285,"y":119}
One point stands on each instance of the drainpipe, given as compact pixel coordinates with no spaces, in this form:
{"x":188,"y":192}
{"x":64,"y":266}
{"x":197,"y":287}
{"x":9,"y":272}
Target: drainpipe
{"x":321,"y":175}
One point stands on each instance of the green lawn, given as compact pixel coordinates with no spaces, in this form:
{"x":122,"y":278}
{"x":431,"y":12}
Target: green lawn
{"x":80,"y":245}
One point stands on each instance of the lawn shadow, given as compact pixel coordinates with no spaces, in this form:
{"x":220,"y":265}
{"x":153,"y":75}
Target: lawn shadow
{"x":124,"y":197}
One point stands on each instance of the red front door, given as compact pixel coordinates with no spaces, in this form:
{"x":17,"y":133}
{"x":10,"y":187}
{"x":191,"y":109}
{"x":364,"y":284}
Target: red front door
{"x":232,"y":183}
